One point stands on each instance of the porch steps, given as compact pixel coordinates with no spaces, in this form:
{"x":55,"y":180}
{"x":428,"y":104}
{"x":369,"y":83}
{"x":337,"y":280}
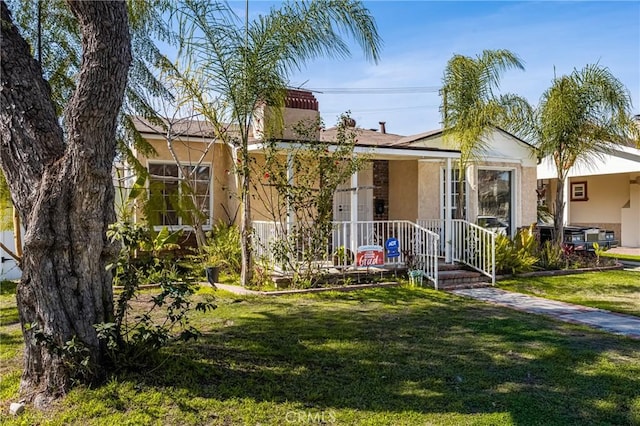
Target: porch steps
{"x":456,"y":277}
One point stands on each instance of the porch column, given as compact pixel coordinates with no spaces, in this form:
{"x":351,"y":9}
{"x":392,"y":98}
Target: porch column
{"x":354,"y":211}
{"x":448,"y":222}
{"x":567,"y":203}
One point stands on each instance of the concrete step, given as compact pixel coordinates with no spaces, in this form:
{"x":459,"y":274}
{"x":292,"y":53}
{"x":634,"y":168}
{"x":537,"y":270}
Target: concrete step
{"x":455,"y":279}
{"x":449,"y":266}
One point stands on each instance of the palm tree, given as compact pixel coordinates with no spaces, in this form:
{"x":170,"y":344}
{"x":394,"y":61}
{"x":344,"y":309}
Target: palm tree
{"x":581,"y":116}
{"x":238,"y":64}
{"x":470,"y":104}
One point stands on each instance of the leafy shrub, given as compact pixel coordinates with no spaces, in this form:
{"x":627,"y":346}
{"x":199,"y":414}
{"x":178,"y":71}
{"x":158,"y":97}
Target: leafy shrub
{"x":132,"y":339}
{"x":551,"y":256}
{"x":224,"y":247}
{"x":262,"y":274}
{"x":517,"y":255}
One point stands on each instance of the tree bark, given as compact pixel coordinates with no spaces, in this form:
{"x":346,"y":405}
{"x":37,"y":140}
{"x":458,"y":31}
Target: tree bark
{"x":62,"y":187}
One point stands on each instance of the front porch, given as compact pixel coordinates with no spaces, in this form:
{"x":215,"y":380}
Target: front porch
{"x":424,"y":246}
{"x":410,"y":192}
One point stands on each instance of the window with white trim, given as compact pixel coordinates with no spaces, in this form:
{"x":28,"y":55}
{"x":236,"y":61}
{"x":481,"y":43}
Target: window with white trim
{"x":454,"y":193}
{"x":173,"y":201}
{"x":495,"y":199}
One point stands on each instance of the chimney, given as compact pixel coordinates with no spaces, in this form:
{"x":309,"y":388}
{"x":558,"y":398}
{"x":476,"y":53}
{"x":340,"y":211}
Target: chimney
{"x":382,"y":128}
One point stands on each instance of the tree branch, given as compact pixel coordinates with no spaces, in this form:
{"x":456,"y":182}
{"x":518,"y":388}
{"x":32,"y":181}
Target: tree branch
{"x":31,"y":138}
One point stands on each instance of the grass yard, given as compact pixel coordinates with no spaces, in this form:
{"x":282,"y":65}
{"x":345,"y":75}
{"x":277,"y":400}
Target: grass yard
{"x":621,"y":256}
{"x":390,"y":356}
{"x":617,"y":291}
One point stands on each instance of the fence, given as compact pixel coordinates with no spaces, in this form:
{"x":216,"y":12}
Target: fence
{"x":338,"y":246}
{"x":471,"y":244}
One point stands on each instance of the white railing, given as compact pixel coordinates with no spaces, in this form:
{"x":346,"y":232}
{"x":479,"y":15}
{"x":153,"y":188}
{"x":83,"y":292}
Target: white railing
{"x":435,"y":226}
{"x":415,"y":243}
{"x":471,"y":244}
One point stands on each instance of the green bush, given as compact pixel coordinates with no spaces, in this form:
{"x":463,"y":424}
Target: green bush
{"x":551,"y":256}
{"x":133,"y":339}
{"x":224,"y":247}
{"x":517,"y":255}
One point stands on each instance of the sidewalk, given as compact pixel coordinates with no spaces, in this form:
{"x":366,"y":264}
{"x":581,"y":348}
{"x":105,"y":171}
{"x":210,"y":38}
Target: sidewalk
{"x":634,"y":251}
{"x":626,"y":325}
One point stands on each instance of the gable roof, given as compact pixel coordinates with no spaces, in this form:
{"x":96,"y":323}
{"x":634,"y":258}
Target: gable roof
{"x":434,"y":134}
{"x":181,"y":127}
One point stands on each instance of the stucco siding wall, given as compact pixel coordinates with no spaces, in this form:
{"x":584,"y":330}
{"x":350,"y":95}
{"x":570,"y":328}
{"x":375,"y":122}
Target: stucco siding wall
{"x":403,"y":190}
{"x":265,"y":203}
{"x":219,"y":159}
{"x":429,"y":190}
{"x":607,"y":194}
{"x":528,"y":196}
{"x":630,"y":229}
{"x":282,"y":124}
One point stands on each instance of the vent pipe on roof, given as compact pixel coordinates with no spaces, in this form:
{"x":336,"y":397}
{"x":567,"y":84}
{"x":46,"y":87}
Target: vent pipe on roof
{"x":382,"y":127}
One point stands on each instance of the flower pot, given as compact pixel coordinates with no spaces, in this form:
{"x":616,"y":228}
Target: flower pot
{"x":213,"y":273}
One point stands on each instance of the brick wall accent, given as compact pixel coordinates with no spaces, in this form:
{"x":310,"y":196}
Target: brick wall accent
{"x":381,"y":188}
{"x":301,"y":99}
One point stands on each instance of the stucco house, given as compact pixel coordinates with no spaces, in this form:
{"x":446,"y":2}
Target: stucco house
{"x":407,"y":178}
{"x":408,"y":181}
{"x":605,"y":193}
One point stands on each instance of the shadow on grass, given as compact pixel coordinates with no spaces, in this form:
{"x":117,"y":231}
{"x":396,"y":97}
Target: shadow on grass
{"x":8,"y":287}
{"x":9,"y":316}
{"x":8,"y":340}
{"x":402,"y":350}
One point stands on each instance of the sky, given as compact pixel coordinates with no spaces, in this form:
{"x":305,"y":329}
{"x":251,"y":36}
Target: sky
{"x":419,"y":37}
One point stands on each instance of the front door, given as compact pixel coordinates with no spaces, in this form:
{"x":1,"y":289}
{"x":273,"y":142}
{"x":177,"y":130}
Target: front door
{"x":342,"y":198}
{"x":350,"y":235}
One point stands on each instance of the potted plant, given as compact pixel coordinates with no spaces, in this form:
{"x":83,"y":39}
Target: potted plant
{"x":212,"y":265}
{"x":213,"y":260}
{"x":222,"y":251}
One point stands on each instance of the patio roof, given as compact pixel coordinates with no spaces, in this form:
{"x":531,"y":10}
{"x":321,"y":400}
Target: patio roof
{"x":623,"y":159}
{"x":382,"y":145}
{"x":380,"y":151}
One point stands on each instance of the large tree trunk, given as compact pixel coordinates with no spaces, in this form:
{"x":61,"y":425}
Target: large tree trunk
{"x":63,"y":189}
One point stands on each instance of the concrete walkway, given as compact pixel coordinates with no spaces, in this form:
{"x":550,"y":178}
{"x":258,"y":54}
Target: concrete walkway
{"x":626,"y":325}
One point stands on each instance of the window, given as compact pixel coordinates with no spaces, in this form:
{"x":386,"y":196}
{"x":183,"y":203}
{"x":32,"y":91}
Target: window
{"x":173,"y":200}
{"x":495,"y":194}
{"x":455,"y":196}
{"x":579,"y":191}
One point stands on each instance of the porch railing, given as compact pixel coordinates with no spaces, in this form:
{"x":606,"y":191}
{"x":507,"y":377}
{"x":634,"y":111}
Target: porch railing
{"x":345,"y":238}
{"x":471,"y":244}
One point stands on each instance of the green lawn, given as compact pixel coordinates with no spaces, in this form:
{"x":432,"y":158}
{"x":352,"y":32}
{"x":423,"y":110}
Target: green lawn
{"x":620,"y":256}
{"x":391,"y":356}
{"x":617,"y":291}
